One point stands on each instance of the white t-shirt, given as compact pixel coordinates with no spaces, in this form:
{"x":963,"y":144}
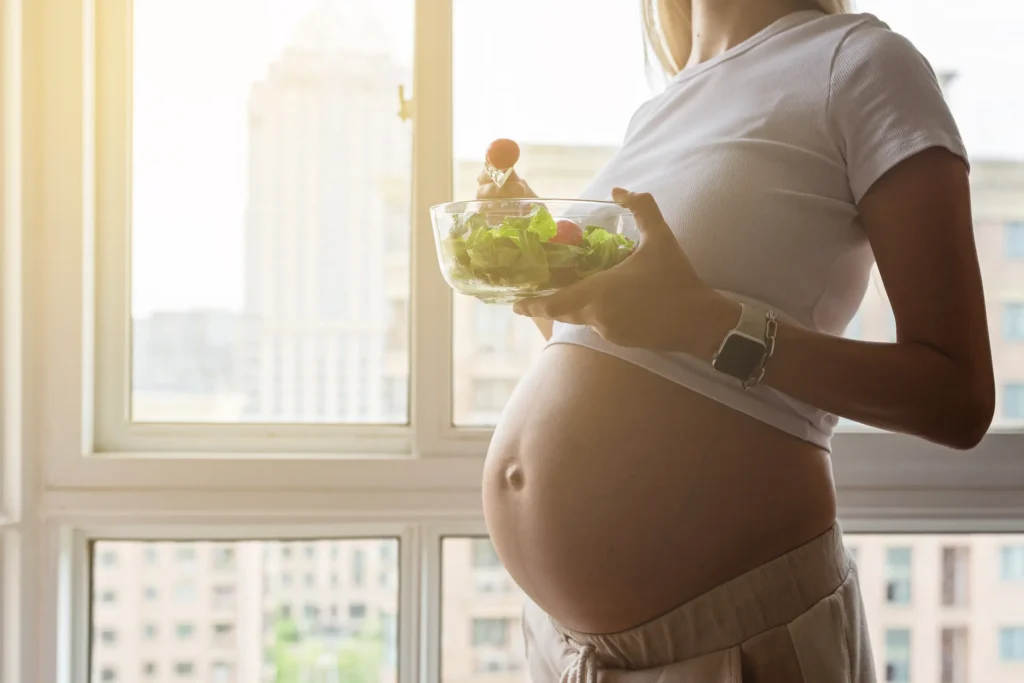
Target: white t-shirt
{"x":758,"y":158}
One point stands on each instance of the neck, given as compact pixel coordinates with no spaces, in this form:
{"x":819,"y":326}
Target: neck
{"x":718,"y":25}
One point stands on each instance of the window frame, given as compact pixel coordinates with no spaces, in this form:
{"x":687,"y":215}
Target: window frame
{"x":102,"y":450}
{"x":89,"y":478}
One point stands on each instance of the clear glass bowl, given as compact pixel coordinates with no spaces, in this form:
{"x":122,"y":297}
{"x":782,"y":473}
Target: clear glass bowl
{"x":500,"y":251}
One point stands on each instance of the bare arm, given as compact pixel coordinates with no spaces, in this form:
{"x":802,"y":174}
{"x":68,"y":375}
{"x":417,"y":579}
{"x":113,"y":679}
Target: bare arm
{"x":936,"y":381}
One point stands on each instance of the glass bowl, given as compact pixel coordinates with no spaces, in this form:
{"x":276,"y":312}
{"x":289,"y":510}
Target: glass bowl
{"x":500,"y":251}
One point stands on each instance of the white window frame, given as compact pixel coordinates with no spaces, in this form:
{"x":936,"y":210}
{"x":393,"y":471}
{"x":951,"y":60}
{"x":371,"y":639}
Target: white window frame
{"x":89,"y":474}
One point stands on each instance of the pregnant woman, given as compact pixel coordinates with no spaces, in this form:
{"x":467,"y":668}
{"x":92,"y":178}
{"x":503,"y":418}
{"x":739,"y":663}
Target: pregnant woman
{"x":659,"y":484}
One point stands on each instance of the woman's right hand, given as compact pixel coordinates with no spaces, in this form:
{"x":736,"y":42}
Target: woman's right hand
{"x":514,"y":187}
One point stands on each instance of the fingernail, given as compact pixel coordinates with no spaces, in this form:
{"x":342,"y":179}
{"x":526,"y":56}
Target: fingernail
{"x":517,"y":308}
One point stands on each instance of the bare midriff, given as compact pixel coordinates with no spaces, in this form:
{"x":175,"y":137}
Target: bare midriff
{"x":613,"y":495}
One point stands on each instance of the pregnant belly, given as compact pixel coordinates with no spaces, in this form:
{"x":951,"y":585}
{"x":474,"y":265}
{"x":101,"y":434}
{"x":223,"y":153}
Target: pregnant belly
{"x":613,"y":495}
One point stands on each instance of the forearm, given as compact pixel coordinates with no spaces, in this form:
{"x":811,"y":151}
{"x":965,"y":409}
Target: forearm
{"x":901,"y":387}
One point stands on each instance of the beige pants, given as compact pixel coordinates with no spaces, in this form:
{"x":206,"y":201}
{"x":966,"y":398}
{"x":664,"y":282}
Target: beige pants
{"x":797,"y":619}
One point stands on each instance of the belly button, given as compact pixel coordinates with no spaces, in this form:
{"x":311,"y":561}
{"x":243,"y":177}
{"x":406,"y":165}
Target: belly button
{"x":514,"y":477}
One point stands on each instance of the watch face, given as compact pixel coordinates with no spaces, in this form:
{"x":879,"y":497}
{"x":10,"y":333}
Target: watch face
{"x":740,"y":356}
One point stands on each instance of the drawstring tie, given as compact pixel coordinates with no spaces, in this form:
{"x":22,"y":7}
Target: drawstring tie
{"x":584,"y":667}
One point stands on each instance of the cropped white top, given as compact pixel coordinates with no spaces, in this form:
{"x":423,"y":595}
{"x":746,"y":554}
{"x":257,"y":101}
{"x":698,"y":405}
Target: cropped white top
{"x":758,"y":158}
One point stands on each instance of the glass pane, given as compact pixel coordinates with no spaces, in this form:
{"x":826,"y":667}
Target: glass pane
{"x":982,"y":633}
{"x":565,"y":145}
{"x":236,"y":614}
{"x":481,"y":625}
{"x":271,"y":185}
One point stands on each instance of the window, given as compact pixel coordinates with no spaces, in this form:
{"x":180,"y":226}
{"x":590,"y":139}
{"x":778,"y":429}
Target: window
{"x":1011,"y":644}
{"x":310,"y":551}
{"x":223,"y":633}
{"x":954,"y":655}
{"x":484,"y":556}
{"x":898,"y":571}
{"x":150,"y":593}
{"x":259,"y":626}
{"x":185,"y":554}
{"x":223,"y":597}
{"x":203,"y":371}
{"x":1013,"y":321}
{"x":1011,"y":562}
{"x":955,"y":575}
{"x":108,"y":675}
{"x":1015,"y":240}
{"x":309,"y":580}
{"x":220,"y":672}
{"x":854,"y":330}
{"x":358,"y":567}
{"x":897,"y":655}
{"x":1013,"y":402}
{"x":278,"y":126}
{"x":185,"y":592}
{"x":109,"y":559}
{"x":108,"y":636}
{"x":223,"y":558}
{"x":490,"y":632}
{"x":490,"y":395}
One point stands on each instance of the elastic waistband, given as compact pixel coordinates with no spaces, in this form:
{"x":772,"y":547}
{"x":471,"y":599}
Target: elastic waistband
{"x":764,"y":598}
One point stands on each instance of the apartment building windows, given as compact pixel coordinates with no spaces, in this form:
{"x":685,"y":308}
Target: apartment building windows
{"x":897,"y":576}
{"x":1011,"y":644}
{"x":897,"y":655}
{"x":484,"y":555}
{"x":1013,"y":401}
{"x":224,"y":558}
{"x":1011,"y":562}
{"x":954,"y":655}
{"x":1015,"y":240}
{"x":955,"y":575}
{"x":1013,"y":321}
{"x":488,"y":632}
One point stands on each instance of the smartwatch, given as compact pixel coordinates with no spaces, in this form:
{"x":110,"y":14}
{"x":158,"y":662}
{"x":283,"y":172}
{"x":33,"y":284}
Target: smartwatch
{"x":745,"y":349}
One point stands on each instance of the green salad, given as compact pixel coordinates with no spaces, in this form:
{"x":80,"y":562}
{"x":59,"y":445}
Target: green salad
{"x":530,"y":252}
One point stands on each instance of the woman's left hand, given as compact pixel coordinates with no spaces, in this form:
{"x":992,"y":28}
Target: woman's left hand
{"x":654,"y":299}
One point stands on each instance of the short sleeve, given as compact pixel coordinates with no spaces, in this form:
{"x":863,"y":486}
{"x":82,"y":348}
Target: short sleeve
{"x":885,"y":105}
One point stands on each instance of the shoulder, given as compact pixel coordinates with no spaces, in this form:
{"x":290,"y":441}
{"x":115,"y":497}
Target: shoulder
{"x":865,"y":46}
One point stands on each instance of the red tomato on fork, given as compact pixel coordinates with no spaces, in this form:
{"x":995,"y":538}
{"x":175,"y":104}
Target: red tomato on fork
{"x":503,"y":154}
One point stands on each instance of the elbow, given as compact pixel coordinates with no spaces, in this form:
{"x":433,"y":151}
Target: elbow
{"x":967,"y":419}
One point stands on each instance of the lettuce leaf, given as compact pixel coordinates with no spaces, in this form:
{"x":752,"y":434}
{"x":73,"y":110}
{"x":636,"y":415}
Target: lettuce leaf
{"x":518,"y":253}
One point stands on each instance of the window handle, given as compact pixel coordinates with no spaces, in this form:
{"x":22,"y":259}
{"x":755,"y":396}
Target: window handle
{"x":405,"y":106}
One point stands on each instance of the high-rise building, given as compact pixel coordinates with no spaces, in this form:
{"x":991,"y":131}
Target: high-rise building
{"x":320,"y":343}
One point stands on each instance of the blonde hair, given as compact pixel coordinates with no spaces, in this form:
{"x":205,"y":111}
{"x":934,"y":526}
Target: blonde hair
{"x":664,"y":18}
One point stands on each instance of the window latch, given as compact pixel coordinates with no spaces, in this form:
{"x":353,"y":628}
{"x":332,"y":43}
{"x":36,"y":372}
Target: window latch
{"x":405,"y":106}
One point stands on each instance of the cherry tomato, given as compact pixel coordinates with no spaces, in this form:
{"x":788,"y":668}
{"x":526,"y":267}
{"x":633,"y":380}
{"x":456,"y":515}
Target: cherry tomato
{"x":503,"y":154}
{"x":568,"y":233}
